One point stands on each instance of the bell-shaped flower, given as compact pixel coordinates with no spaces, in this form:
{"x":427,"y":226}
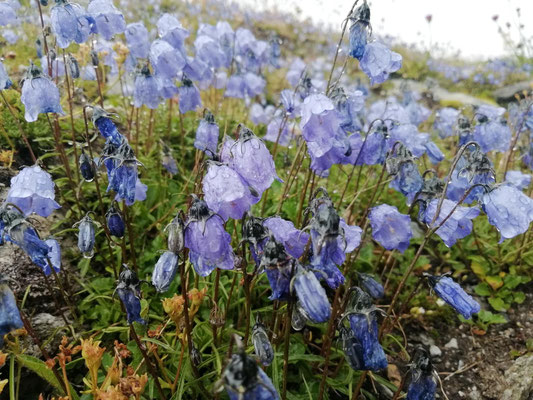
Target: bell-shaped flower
{"x":312,"y":295}
{"x":207,"y":134}
{"x":164,"y":271}
{"x":294,"y":240}
{"x":32,"y":190}
{"x":348,"y":107}
{"x":454,"y":295}
{"x":457,"y":226}
{"x":364,"y":326}
{"x":114,"y":221}
{"x":189,"y":96}
{"x":226,"y":192}
{"x":9,"y":313}
{"x":170,"y":30}
{"x":278,"y":267}
{"x":244,"y":380}
{"x":137,"y":40}
{"x":423,"y":384}
{"x":433,"y":152}
{"x":86,"y":228}
{"x":278,"y":131}
{"x":359,"y":30}
{"x":378,"y":62}
{"x":39,"y":95}
{"x":390,"y":228}
{"x":251,"y":159}
{"x":208,"y":243}
{"x":509,"y":210}
{"x":445,"y":120}
{"x":492,"y":134}
{"x":70,"y":23}
{"x":146,"y":90}
{"x":108,"y":19}
{"x":123,"y":178}
{"x":5,"y":82}
{"x":175,"y":241}
{"x":209,"y":51}
{"x":167,"y":62}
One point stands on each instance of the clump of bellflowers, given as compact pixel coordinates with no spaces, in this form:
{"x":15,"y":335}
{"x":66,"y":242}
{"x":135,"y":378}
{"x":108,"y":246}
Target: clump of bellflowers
{"x":32,"y":191}
{"x":250,"y":158}
{"x":390,"y":228}
{"x":361,"y":313}
{"x":208,"y":243}
{"x":39,"y":95}
{"x":453,"y":294}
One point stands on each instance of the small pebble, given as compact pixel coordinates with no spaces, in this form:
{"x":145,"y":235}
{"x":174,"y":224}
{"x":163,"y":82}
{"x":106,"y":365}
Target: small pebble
{"x":435,"y":351}
{"x":452,"y":344}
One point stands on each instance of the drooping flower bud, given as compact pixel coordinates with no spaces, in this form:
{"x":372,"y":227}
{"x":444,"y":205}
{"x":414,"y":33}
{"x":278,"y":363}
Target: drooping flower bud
{"x":454,"y":295}
{"x":86,"y":236}
{"x":164,"y":271}
{"x":262,"y":346}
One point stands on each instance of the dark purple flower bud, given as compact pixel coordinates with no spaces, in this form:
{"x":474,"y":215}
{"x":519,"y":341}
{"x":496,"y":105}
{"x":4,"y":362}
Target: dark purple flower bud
{"x":454,"y":295}
{"x":175,"y":242}
{"x":390,"y":228}
{"x":364,"y":326}
{"x":458,"y":226}
{"x":226,"y":192}
{"x":262,"y":346}
{"x":371,"y":286}
{"x":189,"y":96}
{"x":423,"y":384}
{"x":244,"y":380}
{"x":164,"y":271}
{"x":32,"y":190}
{"x":115,"y":223}
{"x":9,"y":313}
{"x":312,"y":295}
{"x":74,"y":67}
{"x":129,"y":292}
{"x":108,"y":19}
{"x":87,"y":167}
{"x":208,"y":243}
{"x":39,"y":95}
{"x":207,"y":134}
{"x":378,"y":62}
{"x":86,"y":236}
{"x":252,"y":160}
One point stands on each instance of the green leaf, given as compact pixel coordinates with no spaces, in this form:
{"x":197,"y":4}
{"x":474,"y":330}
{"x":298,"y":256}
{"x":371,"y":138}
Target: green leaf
{"x":494,"y":281}
{"x":490,"y":318}
{"x":519,"y":297}
{"x":480,"y":268}
{"x":498,"y":304}
{"x":482,"y":289}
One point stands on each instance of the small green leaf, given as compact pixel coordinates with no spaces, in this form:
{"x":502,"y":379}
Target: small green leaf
{"x":494,"y":281}
{"x":519,"y":297}
{"x":482,"y":289}
{"x":498,"y":304}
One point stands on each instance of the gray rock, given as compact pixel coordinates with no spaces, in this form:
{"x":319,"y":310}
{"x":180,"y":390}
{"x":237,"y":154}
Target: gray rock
{"x":452,"y":344}
{"x":519,"y":379}
{"x":507,"y":93}
{"x":435,"y":351}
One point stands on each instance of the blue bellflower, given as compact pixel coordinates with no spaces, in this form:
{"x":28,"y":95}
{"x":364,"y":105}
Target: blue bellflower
{"x":128,"y":290}
{"x":164,"y":271}
{"x":189,"y":96}
{"x":423,"y":384}
{"x":9,"y":313}
{"x":39,"y":95}
{"x":70,"y":23}
{"x":108,"y":19}
{"x":137,"y":40}
{"x":115,"y":223}
{"x":32,"y":190}
{"x":378,"y":62}
{"x":371,"y":286}
{"x":359,"y":30}
{"x":454,"y":295}
{"x":312,"y":295}
{"x":86,"y":236}
{"x":390,"y":228}
{"x":146,"y":90}
{"x":207,"y":135}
